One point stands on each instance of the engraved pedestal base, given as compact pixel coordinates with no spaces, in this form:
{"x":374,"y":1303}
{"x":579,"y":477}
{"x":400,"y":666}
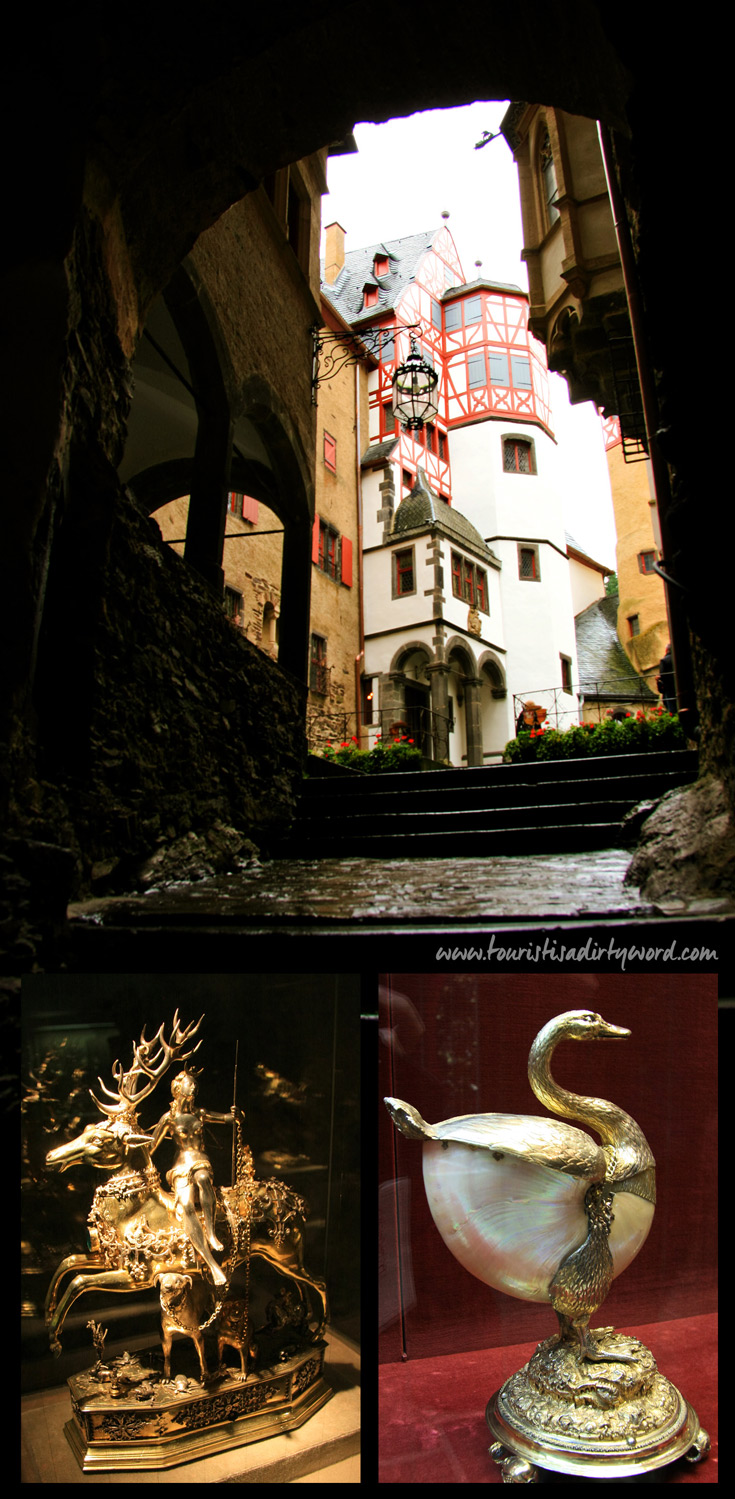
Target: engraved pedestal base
{"x":139,"y":1421}
{"x":600,"y":1420}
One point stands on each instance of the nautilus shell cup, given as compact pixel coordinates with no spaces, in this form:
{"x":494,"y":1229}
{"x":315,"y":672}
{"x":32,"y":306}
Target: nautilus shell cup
{"x":507,"y":1191}
{"x":512,"y":1221}
{"x":541,"y":1210}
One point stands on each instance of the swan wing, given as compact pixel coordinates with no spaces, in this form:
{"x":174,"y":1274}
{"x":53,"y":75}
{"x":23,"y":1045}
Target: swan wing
{"x":548,"y":1142}
{"x":509,"y":1220}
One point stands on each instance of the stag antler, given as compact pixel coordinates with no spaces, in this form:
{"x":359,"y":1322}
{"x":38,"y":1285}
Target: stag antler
{"x":148,"y":1063}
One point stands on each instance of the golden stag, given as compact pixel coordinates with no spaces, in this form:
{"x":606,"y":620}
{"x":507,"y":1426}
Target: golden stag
{"x":141,"y":1235}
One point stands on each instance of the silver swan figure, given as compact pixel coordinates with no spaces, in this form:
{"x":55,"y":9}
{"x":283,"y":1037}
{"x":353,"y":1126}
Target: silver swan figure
{"x":535,"y":1207}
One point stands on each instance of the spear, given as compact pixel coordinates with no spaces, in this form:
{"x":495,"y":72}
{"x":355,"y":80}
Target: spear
{"x":234,"y":1119}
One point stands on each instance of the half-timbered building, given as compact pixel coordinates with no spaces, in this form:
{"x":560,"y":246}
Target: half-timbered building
{"x":467,"y":600}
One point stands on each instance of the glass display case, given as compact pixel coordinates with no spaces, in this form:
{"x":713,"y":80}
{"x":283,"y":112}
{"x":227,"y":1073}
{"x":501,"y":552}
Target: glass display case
{"x":255,"y":1208}
{"x":457,"y":1046}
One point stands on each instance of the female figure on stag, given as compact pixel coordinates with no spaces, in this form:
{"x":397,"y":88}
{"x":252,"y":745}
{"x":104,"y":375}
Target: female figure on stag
{"x":191,"y":1175}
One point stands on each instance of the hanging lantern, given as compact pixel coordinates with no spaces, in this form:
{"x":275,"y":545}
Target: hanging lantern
{"x":414,"y":390}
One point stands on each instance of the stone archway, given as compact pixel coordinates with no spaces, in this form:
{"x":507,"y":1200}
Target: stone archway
{"x":180,"y":426}
{"x":405,"y":696}
{"x":236,"y":438}
{"x":461,"y":662}
{"x":497,"y":727}
{"x":133,"y":152}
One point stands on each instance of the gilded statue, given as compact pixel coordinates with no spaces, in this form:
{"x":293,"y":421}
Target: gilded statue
{"x":191,"y":1175}
{"x":187,"y":1242}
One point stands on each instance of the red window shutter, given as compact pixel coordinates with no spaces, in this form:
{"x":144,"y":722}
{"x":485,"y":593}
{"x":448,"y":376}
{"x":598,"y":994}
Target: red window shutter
{"x":249,"y":508}
{"x":315,"y":540}
{"x":346,"y":562}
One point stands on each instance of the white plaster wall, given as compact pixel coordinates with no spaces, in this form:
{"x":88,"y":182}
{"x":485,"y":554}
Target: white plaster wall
{"x":540,"y":626}
{"x":380,"y":651}
{"x":586,"y":583}
{"x":372,"y":499}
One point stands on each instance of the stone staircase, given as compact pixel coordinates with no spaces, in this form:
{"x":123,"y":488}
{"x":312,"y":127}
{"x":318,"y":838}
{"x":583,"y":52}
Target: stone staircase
{"x":540,"y":807}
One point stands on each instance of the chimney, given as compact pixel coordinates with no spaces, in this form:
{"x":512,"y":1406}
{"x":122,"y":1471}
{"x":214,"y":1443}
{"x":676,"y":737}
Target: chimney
{"x":334,"y":257}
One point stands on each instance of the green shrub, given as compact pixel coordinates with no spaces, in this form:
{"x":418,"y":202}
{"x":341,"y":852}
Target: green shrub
{"x":387,"y":755}
{"x":636,"y":733}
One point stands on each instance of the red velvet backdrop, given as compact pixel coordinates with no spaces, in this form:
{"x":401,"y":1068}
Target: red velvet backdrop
{"x":459,"y":1045}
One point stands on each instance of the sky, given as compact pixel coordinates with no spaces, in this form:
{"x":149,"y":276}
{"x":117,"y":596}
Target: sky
{"x":409,"y":171}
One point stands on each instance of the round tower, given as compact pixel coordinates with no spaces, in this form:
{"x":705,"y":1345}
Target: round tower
{"x":505,"y":480}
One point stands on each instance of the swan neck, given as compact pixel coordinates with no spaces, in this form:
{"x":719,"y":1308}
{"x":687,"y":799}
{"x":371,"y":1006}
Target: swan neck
{"x":604,"y":1117}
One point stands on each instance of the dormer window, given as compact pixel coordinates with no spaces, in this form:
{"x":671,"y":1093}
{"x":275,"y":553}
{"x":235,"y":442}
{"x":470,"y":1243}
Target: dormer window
{"x":381,"y":265}
{"x":548,"y":177}
{"x":371,"y":296}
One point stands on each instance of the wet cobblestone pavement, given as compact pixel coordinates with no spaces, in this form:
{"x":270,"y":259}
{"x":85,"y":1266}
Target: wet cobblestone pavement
{"x":540,"y":886}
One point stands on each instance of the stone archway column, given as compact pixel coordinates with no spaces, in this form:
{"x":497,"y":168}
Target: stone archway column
{"x":392,"y":699}
{"x":438,"y":675}
{"x":473,"y":720}
{"x":205,"y":529}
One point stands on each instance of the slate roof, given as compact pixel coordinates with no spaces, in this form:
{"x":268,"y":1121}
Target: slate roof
{"x":346,"y":293}
{"x":604,"y":668}
{"x":378,"y":452}
{"x":423,"y":509}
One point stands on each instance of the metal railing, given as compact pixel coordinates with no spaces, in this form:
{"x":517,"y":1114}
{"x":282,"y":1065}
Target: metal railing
{"x":429,"y":731}
{"x":563,"y":708}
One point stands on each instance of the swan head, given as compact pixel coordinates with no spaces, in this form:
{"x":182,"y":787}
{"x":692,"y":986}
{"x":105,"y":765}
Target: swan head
{"x":583,"y":1025}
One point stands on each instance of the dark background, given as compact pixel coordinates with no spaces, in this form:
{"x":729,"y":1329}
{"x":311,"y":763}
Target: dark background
{"x":459,"y":1044}
{"x":304,"y":1129}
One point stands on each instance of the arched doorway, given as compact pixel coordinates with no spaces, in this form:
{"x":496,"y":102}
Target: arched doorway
{"x":464,"y":689}
{"x":405,"y":697}
{"x":495,"y":706}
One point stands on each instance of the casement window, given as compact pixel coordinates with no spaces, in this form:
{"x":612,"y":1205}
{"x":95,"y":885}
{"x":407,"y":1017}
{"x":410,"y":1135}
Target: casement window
{"x":547,"y":172}
{"x":498,"y":368}
{"x":528,"y":564}
{"x":520,"y":368}
{"x":646,"y":562}
{"x":371,"y":296}
{"x":380,"y":265}
{"x":330,"y":453}
{"x":476,"y":370}
{"x":233,"y":602}
{"x":318,"y":669}
{"x":430,"y":438}
{"x":443,"y":451}
{"x":244,"y":506}
{"x":469,"y":582}
{"x":331,"y":552}
{"x":389,"y":417}
{"x":518,"y":456}
{"x":566,"y":672}
{"x":407,"y":479}
{"x":472,"y":311}
{"x":436,"y":315}
{"x":453,"y":317}
{"x":298,"y":218}
{"x":404,"y":572}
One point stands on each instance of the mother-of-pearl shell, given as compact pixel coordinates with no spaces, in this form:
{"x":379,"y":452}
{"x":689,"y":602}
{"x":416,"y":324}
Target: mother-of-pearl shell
{"x":511,"y":1222}
{"x":632,"y":1219}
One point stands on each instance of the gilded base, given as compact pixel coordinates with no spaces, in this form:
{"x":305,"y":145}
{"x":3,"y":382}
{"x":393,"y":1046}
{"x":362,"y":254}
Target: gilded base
{"x":142,"y":1422}
{"x":603,"y":1420}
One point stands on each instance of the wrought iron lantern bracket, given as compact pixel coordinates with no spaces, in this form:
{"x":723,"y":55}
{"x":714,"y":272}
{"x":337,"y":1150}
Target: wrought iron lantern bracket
{"x":335,"y":351}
